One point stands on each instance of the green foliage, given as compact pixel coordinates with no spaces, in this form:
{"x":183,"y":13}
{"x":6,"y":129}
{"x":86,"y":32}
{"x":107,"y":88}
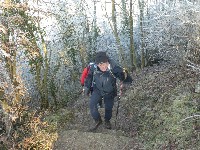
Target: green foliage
{"x":67,"y":98}
{"x":3,"y":147}
{"x":39,"y":134}
{"x":60,"y":117}
{"x":27,"y":37}
{"x":29,"y":131}
{"x":72,"y":53}
{"x":162,"y":125}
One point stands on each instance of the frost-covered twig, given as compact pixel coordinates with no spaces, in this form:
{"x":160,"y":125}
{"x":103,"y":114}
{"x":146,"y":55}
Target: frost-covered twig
{"x":189,"y":117}
{"x":193,"y":66}
{"x":3,"y":29}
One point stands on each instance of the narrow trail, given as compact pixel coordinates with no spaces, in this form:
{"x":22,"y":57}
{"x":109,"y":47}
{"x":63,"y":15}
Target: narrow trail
{"x":75,"y":136}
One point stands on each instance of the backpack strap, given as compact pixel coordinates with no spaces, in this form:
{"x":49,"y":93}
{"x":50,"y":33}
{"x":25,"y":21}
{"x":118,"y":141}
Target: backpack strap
{"x":112,"y":65}
{"x":94,"y":71}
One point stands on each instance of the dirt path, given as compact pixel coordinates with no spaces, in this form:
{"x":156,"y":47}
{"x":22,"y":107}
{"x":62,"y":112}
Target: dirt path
{"x":78,"y":140}
{"x":76,"y":137}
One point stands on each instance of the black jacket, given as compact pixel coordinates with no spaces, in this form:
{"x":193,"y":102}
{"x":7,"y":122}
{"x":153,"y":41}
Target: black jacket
{"x":105,"y":82}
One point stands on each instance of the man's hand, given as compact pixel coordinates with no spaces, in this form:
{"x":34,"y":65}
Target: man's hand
{"x":86,"y":91}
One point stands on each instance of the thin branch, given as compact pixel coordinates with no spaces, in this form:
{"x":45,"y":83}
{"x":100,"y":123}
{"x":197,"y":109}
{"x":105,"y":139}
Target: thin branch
{"x":189,"y":118}
{"x":193,"y":66}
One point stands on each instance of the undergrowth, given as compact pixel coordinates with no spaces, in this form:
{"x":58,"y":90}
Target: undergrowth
{"x":164,"y":108}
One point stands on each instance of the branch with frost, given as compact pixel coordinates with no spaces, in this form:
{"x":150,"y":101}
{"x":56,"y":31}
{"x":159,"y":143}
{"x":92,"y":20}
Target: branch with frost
{"x":193,"y":65}
{"x":3,"y":29}
{"x":4,"y":54}
{"x":189,"y":118}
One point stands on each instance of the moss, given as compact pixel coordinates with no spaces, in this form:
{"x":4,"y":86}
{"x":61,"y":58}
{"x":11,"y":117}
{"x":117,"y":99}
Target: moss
{"x":61,"y":117}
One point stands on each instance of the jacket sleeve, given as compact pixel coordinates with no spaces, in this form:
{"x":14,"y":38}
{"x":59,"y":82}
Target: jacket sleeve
{"x":118,"y":73}
{"x":128,"y":79}
{"x":89,"y":79}
{"x":83,"y":76}
{"x":116,"y":70}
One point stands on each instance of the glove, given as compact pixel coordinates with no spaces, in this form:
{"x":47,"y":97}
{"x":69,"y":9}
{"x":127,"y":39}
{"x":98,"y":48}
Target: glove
{"x":125,"y":73}
{"x":86,"y":91}
{"x":127,"y":78}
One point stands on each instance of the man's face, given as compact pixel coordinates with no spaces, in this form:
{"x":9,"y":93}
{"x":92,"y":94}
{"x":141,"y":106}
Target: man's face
{"x":103,"y":66}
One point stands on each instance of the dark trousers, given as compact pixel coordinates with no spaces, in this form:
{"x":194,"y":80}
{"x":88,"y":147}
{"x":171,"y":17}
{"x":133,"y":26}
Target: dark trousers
{"x":95,"y":98}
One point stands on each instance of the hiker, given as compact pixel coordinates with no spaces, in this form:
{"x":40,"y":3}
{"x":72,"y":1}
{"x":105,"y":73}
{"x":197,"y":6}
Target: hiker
{"x":103,"y":79}
{"x":84,"y":75}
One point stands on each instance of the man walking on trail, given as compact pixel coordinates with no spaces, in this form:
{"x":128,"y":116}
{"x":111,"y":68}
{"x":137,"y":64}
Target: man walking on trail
{"x":103,"y":80}
{"x":84,"y":75}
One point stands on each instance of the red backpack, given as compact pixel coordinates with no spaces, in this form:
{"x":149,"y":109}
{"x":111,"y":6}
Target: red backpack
{"x":85,"y":73}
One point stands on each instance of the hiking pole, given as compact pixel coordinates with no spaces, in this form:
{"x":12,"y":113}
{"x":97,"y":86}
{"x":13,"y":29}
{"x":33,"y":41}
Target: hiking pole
{"x":118,"y":101}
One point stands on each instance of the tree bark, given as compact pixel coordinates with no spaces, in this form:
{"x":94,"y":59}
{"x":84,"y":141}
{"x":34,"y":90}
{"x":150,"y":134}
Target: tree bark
{"x":132,"y":50}
{"x":114,"y":20}
{"x":141,"y":7}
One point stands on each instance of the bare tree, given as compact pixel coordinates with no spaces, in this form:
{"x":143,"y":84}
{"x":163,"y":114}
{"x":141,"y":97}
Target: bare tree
{"x":132,"y":50}
{"x":95,"y":32}
{"x":44,"y":84}
{"x":141,"y":8}
{"x":114,"y":21}
{"x":125,"y":22}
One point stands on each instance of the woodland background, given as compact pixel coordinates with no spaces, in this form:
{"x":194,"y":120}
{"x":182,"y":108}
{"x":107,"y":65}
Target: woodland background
{"x":46,"y":44}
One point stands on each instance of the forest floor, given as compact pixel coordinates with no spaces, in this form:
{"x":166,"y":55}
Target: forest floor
{"x":155,"y":81}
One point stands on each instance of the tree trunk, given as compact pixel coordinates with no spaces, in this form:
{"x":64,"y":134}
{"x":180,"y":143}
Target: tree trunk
{"x":45,"y":101}
{"x":95,"y":32}
{"x":125,"y":18}
{"x":132,"y":50}
{"x":114,"y":20}
{"x":141,"y":7}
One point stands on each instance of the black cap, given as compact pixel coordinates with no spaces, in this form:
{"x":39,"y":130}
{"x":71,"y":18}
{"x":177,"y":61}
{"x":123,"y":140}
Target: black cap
{"x":101,"y":57}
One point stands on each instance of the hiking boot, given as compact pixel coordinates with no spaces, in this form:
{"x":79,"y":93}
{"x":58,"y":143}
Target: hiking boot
{"x":107,"y":124}
{"x":96,"y":125}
